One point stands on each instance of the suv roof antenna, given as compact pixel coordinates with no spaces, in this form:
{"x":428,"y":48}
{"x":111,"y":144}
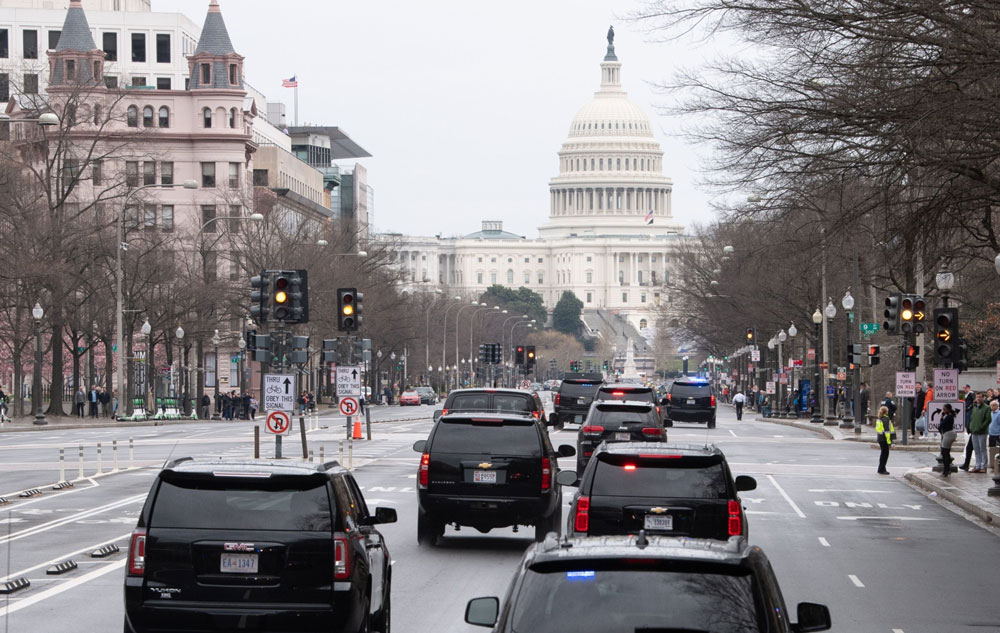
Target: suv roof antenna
{"x":172,"y":449}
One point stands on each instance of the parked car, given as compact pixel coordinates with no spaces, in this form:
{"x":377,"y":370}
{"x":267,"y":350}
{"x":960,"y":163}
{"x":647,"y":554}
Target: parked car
{"x":644,"y":583}
{"x":427,"y":395}
{"x":409,"y":397}
{"x":495,"y":400}
{"x":487,"y":470}
{"x":573,"y":398}
{"x":617,"y":421}
{"x":690,"y":400}
{"x":226,"y":545}
{"x":661,"y":488}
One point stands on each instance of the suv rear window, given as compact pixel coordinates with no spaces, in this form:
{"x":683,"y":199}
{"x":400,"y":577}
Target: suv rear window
{"x":470,"y":402}
{"x":619,"y":415}
{"x":514,"y":437}
{"x":277,"y":503}
{"x":690,"y":391}
{"x":686,"y":477}
{"x":512,"y":402}
{"x":578,"y":388}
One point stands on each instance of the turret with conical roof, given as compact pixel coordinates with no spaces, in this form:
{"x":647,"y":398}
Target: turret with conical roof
{"x":215,"y":64}
{"x":76,"y":60}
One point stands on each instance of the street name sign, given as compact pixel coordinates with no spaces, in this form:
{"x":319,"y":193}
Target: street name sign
{"x":946,"y":384}
{"x":278,"y":422}
{"x":870,"y":329}
{"x":279,"y":392}
{"x":906,"y":384}
{"x":349,"y":380}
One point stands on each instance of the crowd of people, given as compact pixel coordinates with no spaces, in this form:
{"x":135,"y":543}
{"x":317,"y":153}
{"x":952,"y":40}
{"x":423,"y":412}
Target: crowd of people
{"x":97,"y":402}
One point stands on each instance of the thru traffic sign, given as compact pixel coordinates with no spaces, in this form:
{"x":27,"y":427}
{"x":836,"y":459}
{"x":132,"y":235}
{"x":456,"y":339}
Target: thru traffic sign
{"x":349,"y":380}
{"x":279,"y":392}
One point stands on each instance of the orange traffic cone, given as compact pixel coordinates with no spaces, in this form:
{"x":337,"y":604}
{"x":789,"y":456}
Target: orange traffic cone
{"x":357,"y":430}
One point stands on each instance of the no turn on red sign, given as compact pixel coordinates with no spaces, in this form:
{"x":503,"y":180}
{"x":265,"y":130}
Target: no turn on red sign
{"x":278,"y":422}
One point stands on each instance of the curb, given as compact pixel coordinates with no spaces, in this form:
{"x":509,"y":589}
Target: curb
{"x":819,"y":430}
{"x":960,"y":499}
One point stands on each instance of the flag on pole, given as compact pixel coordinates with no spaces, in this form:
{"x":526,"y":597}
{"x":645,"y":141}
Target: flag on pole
{"x":289,"y":83}
{"x":649,"y":218}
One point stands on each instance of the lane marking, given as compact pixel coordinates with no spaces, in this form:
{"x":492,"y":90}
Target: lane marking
{"x":886,"y":518}
{"x":854,"y":579}
{"x":897,"y":631}
{"x":44,"y":527}
{"x":787,"y":498}
{"x":879,"y":492}
{"x":824,"y":542}
{"x":63,"y":587}
{"x":733,"y":433}
{"x":58,"y":559}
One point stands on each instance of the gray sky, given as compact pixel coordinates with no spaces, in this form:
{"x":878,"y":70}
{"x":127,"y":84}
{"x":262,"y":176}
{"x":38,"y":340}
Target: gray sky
{"x":462,"y":104}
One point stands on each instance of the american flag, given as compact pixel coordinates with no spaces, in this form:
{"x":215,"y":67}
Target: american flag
{"x":649,"y":218}
{"x":289,"y":83}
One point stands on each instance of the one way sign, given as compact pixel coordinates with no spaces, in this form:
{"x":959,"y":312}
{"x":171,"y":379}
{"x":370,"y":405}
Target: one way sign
{"x":349,"y":380}
{"x":279,"y":392}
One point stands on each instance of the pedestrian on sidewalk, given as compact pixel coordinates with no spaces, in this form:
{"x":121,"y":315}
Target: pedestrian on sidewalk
{"x":105,"y":399}
{"x":3,"y":405}
{"x":93,"y":397}
{"x":948,"y":435}
{"x":206,"y":406}
{"x":864,"y":398}
{"x":387,"y":392}
{"x":979,"y":405}
{"x":738,"y":401}
{"x":884,"y":431}
{"x":992,"y":433}
{"x":979,"y":423}
{"x":245,"y":408}
{"x":253,"y":408}
{"x":889,"y":404}
{"x":79,"y":399}
{"x":918,"y":406}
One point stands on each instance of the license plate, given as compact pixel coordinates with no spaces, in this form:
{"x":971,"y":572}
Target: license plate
{"x":690,"y":400}
{"x":623,"y":437}
{"x":659,"y":522}
{"x":239,"y":563}
{"x":484,"y":476}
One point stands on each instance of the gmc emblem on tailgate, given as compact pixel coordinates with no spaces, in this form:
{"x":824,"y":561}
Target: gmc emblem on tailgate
{"x":238,"y":547}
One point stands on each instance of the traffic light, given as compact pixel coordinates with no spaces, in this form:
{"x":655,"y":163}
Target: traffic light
{"x":497,"y":349}
{"x":855,"y":353}
{"x":892,"y":305}
{"x":751,"y":336}
{"x":946,"y":336}
{"x":519,"y":355}
{"x":963,"y":356}
{"x":604,"y":366}
{"x":262,"y":348}
{"x":260,"y":297}
{"x":483,"y":352}
{"x":300,"y":350}
{"x":347,"y":314}
{"x":251,"y":340}
{"x":912,"y":314}
{"x":289,"y":296}
{"x":331,"y":347}
{"x":529,"y":355}
{"x":911,"y":358}
{"x":873,"y":355}
{"x":919,"y":314}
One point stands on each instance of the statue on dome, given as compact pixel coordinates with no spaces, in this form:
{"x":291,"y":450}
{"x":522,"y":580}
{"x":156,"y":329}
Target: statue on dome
{"x":611,"y":35}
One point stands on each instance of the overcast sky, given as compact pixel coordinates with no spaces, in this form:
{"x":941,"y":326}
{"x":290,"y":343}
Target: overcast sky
{"x":462,"y":104}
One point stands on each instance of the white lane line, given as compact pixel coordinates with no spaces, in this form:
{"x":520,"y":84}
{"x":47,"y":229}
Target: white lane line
{"x":886,"y":518}
{"x":70,"y":519}
{"x":733,"y":433}
{"x":854,"y":579}
{"x":787,"y":498}
{"x":824,"y":542}
{"x":879,"y":492}
{"x":897,"y":631}
{"x":59,"y":559}
{"x":49,"y":497}
{"x":63,"y":587}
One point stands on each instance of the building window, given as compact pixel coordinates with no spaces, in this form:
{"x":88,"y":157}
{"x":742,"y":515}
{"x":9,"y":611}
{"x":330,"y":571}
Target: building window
{"x":480,"y":260}
{"x":479,"y":278}
{"x":29,"y":39}
{"x":510,"y":276}
{"x":149,"y":173}
{"x":206,"y":117}
{"x":4,"y":44}
{"x":30,"y":84}
{"x":70,"y":70}
{"x":260,"y":178}
{"x":166,"y":173}
{"x":164,"y":116}
{"x":590,"y":298}
{"x":163,"y":83}
{"x":643,"y":324}
{"x":232,"y":118}
{"x":527,"y":277}
{"x":208,"y":218}
{"x":642,"y":298}
{"x":131,"y":173}
{"x":206,"y":74}
{"x":624,"y":297}
{"x":621,"y":277}
{"x":110,"y":43}
{"x":97,"y":71}
{"x":588,"y":258}
{"x":147,"y":116}
{"x":208,"y":175}
{"x":4,"y":87}
{"x":526,"y":260}
{"x":235,"y":213}
{"x":149,"y":216}
{"x":493,"y":260}
{"x":539,"y":260}
{"x":138,"y":47}
{"x":510,"y":260}
{"x":167,"y":218}
{"x":95,"y":171}
{"x":138,"y":81}
{"x":540,"y":278}
{"x":601,"y":163}
{"x":639,"y":273}
{"x":162,"y":48}
{"x":110,"y":82}
{"x":234,"y":175}
{"x":590,"y":277}
{"x":54,"y":39}
{"x":233,"y":76}
{"x":618,"y":164}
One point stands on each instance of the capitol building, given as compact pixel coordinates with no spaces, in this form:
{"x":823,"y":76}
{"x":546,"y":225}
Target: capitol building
{"x":609,"y":236}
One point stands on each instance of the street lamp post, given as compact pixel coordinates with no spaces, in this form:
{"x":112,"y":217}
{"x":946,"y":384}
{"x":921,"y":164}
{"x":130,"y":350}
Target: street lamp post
{"x":794,"y":411}
{"x":830,"y":418}
{"x":781,"y":338}
{"x":474,"y":304}
{"x":771,"y":344}
{"x":179,"y":333}
{"x":848,"y":420}
{"x":215,"y":344}
{"x":444,"y":331}
{"x":36,"y":380}
{"x":147,"y":331}
{"x":817,"y":319}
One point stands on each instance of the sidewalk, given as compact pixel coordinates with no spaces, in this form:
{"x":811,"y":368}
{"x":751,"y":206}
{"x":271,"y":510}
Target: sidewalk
{"x":968,"y":491}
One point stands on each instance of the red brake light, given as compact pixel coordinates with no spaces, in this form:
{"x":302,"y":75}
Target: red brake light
{"x":652,"y":431}
{"x":137,"y":553}
{"x":713,"y":401}
{"x":595,"y":429}
{"x":669,"y":398}
{"x":735,"y":519}
{"x":341,"y":560}
{"x":444,"y":411}
{"x":557,"y":397}
{"x":629,"y":467}
{"x":536,"y":414}
{"x":546,"y":473}
{"x":423,"y":474}
{"x":617,"y":393}
{"x":581,"y":523}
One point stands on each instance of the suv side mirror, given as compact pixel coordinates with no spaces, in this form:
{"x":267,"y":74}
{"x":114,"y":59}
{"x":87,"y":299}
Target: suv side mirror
{"x":384,"y":515}
{"x":812,"y":617}
{"x":566,"y":450}
{"x":420,"y":445}
{"x":437,"y":414}
{"x":567,"y":478}
{"x":664,"y":400}
{"x":745,"y":483}
{"x":482,"y":611}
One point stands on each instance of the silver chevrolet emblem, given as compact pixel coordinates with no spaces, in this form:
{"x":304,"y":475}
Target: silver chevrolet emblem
{"x":657,"y":510}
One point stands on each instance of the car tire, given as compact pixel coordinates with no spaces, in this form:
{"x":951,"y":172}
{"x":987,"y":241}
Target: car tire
{"x":548,"y":524}
{"x":383,"y":620}
{"x":668,"y":423}
{"x":366,"y":619}
{"x":428,"y":530}
{"x":711,"y":423}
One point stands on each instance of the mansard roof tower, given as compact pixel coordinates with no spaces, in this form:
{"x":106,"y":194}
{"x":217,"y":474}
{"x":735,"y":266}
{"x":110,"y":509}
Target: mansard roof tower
{"x":215,"y":64}
{"x":76,"y":60}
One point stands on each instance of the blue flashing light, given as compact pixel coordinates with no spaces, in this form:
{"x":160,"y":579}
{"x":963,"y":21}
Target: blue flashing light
{"x":580,"y":576}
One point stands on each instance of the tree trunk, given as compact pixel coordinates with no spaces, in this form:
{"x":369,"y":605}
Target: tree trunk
{"x":18,"y":396}
{"x":57,"y":383}
{"x":74,"y":341}
{"x":108,"y":366}
{"x":200,"y":376}
{"x":91,"y":367}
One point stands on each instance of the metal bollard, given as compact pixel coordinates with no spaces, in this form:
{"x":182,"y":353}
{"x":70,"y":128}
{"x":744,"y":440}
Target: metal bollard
{"x":131,"y":463}
{"x":81,"y":462}
{"x":114,"y":451}
{"x":340,"y":452}
{"x":62,"y":465}
{"x":322,"y":458}
{"x":310,"y":455}
{"x":100,"y":466}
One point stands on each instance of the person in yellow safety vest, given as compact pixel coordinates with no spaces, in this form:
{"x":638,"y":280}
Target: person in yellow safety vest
{"x":883,"y":431}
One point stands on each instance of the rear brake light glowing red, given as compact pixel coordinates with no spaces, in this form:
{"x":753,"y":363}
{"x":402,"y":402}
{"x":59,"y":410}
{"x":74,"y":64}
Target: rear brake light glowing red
{"x":423,"y":474}
{"x":617,"y":393}
{"x":735,"y":519}
{"x":444,"y":411}
{"x":341,"y":559}
{"x":546,"y":473}
{"x":669,"y":397}
{"x":655,"y":456}
{"x":581,"y":523}
{"x":137,"y":553}
{"x":536,"y":414}
{"x":713,"y":401}
{"x":595,"y":429}
{"x":652,"y":431}
{"x":557,"y":398}
{"x":629,"y":467}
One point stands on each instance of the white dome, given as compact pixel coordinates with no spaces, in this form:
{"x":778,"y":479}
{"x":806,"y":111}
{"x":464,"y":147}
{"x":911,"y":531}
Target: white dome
{"x":610,"y":114}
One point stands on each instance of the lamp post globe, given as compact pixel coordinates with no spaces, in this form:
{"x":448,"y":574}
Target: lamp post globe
{"x":146,"y":328}
{"x":792,"y":331}
{"x":831,"y":310}
{"x":817,"y":319}
{"x":848,"y":301}
{"x":782,"y":337}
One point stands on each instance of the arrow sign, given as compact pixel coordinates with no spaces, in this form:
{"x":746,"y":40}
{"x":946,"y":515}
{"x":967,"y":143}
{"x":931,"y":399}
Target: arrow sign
{"x":348,"y":380}
{"x":354,"y":374}
{"x":287,"y":383}
{"x":944,"y":335}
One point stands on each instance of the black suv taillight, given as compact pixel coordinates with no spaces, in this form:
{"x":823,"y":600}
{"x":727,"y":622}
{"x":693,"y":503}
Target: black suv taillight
{"x":137,"y":553}
{"x":423,"y":474}
{"x":341,"y":559}
{"x":581,"y":522}
{"x":735,"y":519}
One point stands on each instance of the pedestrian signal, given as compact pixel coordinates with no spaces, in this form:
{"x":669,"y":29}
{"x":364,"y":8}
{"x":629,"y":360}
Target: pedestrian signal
{"x":873,"y":355}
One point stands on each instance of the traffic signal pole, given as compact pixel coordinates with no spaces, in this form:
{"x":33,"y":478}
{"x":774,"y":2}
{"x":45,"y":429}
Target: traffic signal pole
{"x":906,"y":406}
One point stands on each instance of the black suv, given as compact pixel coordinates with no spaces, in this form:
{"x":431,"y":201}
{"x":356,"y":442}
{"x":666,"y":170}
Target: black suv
{"x":487,"y":471}
{"x":573,"y":398}
{"x":640,"y":583}
{"x":690,"y":401}
{"x":661,"y":488}
{"x":517,"y":401}
{"x":225,"y":545}
{"x":616,"y":421}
